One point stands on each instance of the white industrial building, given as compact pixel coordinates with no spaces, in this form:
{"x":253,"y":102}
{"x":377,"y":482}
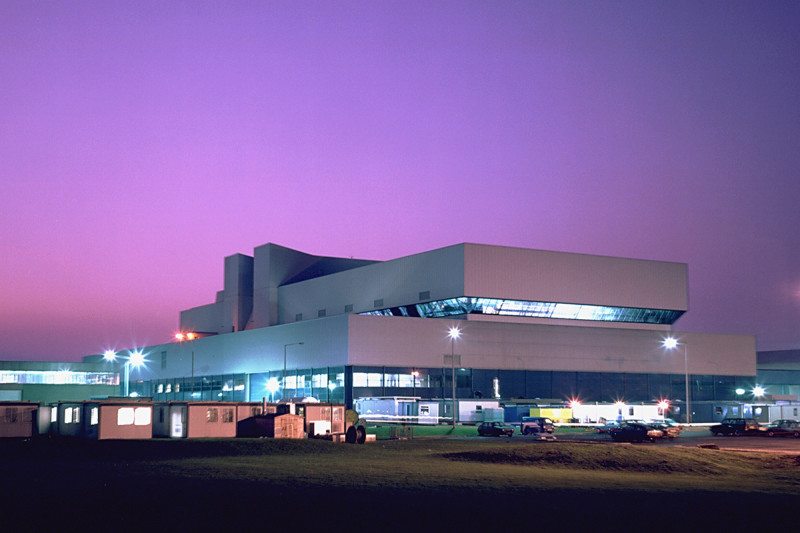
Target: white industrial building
{"x":532,"y":324}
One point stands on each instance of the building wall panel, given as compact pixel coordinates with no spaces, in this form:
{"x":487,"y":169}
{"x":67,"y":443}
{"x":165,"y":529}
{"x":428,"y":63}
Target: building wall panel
{"x":415,"y":342}
{"x":538,"y":275}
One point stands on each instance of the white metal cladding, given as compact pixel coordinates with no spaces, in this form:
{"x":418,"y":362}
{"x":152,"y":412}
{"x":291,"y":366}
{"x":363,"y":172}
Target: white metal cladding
{"x":324,"y":344}
{"x":408,"y":342}
{"x":544,"y":276}
{"x":395,"y":282}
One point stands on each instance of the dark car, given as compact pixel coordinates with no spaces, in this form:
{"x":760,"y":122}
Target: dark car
{"x":536,"y":424}
{"x":782,"y":428}
{"x":634,"y":432}
{"x":735,"y":427}
{"x":495,"y":429}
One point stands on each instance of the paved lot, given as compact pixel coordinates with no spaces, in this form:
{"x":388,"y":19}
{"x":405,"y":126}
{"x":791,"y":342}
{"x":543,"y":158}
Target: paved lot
{"x":701,"y":435}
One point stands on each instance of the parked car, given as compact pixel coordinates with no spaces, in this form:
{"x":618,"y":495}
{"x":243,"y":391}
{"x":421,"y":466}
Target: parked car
{"x":669,"y":431}
{"x":634,"y":432}
{"x":605,"y":428}
{"x":536,"y":424}
{"x":495,"y":429}
{"x":735,"y":427}
{"x":782,"y":428}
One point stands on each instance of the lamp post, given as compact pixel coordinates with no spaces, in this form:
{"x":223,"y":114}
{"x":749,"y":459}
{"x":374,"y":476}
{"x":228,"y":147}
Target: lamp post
{"x":134,"y":359}
{"x":454,"y":333}
{"x":331,"y":386}
{"x":283,"y":379}
{"x":670,"y":343}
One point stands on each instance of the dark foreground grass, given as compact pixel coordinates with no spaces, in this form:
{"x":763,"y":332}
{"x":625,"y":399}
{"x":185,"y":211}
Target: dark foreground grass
{"x":417,"y":485}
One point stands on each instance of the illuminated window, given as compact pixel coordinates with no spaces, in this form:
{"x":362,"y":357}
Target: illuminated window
{"x":68,"y":415}
{"x":424,"y":410}
{"x":125,"y":416}
{"x":54,"y":414}
{"x":168,"y":389}
{"x":227,"y":416}
{"x":177,"y":387}
{"x":58,"y":377}
{"x":212,"y":415}
{"x":93,"y":416}
{"x":367,"y":379}
{"x":160,"y":388}
{"x":319,"y":381}
{"x":560,"y":310}
{"x":142,"y":416}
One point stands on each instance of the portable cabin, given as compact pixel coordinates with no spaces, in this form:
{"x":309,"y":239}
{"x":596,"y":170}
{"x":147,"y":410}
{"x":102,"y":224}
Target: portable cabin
{"x":273,"y":425}
{"x":248,"y":409}
{"x":67,"y":419}
{"x":322,"y":418}
{"x":117,"y":419}
{"x":194,"y":420}
{"x":18,"y":419}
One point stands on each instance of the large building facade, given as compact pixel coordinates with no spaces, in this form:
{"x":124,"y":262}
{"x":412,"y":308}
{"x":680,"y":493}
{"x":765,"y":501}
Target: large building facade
{"x":533,"y":324}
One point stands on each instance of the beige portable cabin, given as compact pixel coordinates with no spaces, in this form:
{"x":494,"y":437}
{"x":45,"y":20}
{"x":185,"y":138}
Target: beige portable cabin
{"x":322,"y":418}
{"x":18,"y":419}
{"x":195,"y":420}
{"x":118,"y":419}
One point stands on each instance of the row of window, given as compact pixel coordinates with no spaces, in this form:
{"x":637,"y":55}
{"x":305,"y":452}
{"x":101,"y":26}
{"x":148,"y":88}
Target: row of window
{"x":504,"y":307}
{"x":529,"y":384}
{"x":58,"y":377}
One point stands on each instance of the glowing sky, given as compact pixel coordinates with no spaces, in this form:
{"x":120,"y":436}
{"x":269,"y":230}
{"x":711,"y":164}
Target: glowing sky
{"x":140,"y":143}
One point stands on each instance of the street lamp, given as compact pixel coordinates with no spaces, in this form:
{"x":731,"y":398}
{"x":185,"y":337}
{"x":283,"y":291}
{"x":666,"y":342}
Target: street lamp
{"x":454,"y":333}
{"x":283,"y":379}
{"x":189,"y":336}
{"x":670,"y":343}
{"x":663,"y":405}
{"x":134,"y":359}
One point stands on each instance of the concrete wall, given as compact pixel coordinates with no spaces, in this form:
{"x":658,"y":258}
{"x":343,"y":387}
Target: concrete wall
{"x":538,"y":275}
{"x":409,"y":342}
{"x":396,"y":282}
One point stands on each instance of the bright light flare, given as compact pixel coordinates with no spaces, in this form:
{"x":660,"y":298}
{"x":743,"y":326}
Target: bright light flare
{"x":136,"y":359}
{"x":573,"y":403}
{"x":273,"y":385}
{"x":179,"y":336}
{"x":759,"y":391}
{"x":619,"y":403}
{"x":740,"y":391}
{"x":191,"y":336}
{"x":670,"y":343}
{"x":454,"y":333}
{"x":110,"y":355}
{"x":663,"y":405}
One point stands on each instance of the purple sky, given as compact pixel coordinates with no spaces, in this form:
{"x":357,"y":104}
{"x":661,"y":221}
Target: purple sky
{"x":140,"y":143}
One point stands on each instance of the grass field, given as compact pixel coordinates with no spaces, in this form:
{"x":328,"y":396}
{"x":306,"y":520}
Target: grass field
{"x":420,"y":484}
